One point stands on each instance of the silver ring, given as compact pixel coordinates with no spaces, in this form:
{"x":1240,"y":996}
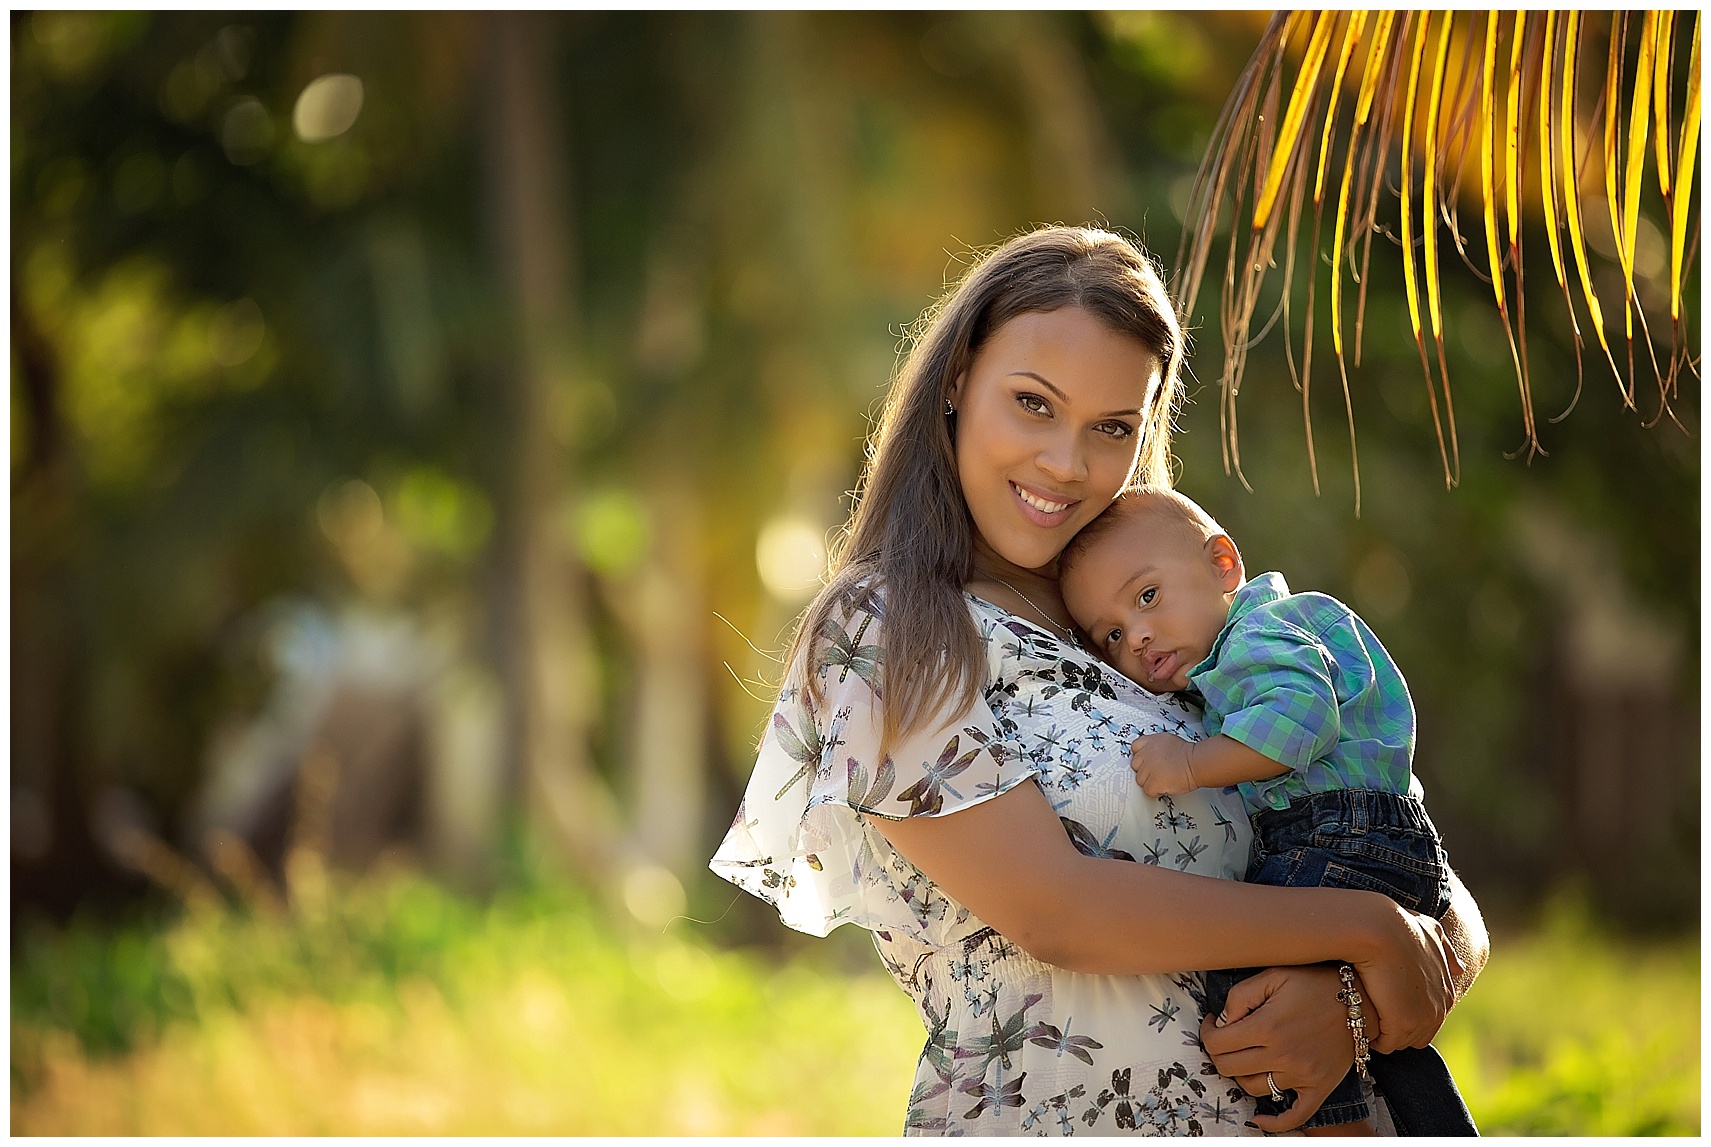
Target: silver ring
{"x":1272,"y":1083}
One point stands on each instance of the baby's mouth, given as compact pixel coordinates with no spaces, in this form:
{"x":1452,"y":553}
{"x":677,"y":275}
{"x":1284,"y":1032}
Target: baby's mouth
{"x":1162,"y":666}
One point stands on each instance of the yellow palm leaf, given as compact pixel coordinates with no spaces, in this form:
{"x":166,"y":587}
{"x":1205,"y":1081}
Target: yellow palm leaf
{"x":1299,"y":98}
{"x":1446,"y":119}
{"x":1660,"y":94}
{"x":1512,"y":136}
{"x":1684,"y":167}
{"x":1547,"y":185}
{"x":1433,"y":145}
{"x":1487,"y":184}
{"x":1639,"y":120}
{"x":1351,"y":37}
{"x":1568,"y":158}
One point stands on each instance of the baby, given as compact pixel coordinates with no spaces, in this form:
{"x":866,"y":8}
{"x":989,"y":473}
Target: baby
{"x":1306,"y":715}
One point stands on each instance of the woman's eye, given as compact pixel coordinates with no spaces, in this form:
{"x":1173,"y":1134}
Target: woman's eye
{"x":1033,"y":403}
{"x":1118,"y":431}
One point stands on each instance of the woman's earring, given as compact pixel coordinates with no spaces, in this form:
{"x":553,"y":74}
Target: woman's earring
{"x":950,"y":411}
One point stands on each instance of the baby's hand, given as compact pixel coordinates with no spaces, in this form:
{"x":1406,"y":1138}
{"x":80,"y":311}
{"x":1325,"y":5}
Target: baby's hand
{"x":1160,"y":761}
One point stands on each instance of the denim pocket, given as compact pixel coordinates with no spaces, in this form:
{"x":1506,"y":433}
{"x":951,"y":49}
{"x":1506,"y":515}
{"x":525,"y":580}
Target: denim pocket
{"x":1411,"y":852}
{"x":1342,"y":876}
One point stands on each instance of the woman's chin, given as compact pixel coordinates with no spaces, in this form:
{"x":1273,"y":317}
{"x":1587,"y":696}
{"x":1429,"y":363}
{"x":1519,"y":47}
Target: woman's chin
{"x":1040,"y":560}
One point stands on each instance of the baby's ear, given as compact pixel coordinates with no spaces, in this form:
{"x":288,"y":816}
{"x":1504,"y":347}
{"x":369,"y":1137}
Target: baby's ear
{"x":1227,"y":561}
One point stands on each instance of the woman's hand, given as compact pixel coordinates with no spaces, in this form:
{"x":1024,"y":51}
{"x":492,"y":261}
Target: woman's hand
{"x":1286,"y":1021}
{"x":1466,"y":929}
{"x":1410,"y":980}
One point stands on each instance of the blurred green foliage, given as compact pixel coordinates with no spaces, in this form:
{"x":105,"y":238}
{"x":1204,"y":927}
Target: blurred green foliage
{"x":1570,"y":1031}
{"x":253,"y":363}
{"x":399,"y":1008}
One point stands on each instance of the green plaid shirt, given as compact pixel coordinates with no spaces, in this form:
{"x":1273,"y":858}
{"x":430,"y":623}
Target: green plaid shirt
{"x":1301,"y":679}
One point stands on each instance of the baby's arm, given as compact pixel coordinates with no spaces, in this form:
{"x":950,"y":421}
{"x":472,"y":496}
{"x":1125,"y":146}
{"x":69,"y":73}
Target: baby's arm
{"x":1166,"y":765}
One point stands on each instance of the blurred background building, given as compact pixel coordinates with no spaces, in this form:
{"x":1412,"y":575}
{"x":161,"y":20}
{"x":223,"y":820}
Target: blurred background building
{"x":425,"y":429}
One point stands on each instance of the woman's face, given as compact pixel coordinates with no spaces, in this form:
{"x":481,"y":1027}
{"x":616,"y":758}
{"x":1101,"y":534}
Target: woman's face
{"x":1048,"y":429}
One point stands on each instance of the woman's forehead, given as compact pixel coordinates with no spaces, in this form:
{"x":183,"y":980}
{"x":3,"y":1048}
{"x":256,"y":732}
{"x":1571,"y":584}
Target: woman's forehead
{"x":1076,"y":355}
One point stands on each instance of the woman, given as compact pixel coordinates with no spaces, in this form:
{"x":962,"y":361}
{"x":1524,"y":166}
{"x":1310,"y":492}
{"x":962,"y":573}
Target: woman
{"x":948,"y":768}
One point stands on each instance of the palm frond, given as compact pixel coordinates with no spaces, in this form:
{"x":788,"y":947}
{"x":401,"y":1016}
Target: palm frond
{"x":1473,"y":93}
{"x":1684,"y":167}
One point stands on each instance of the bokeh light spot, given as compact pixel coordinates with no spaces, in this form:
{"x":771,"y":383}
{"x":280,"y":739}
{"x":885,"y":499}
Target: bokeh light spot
{"x":247,"y":132}
{"x":791,"y":557}
{"x":437,"y":512}
{"x":612,"y":532}
{"x":327,"y":108}
{"x":653,"y":896}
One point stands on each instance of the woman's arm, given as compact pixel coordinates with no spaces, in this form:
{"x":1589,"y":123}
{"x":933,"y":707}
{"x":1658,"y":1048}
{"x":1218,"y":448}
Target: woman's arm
{"x":1465,"y":928}
{"x":1280,"y":1021}
{"x":1010,"y":862}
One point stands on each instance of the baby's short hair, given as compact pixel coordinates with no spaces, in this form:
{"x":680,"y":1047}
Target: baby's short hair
{"x":1171,"y":507}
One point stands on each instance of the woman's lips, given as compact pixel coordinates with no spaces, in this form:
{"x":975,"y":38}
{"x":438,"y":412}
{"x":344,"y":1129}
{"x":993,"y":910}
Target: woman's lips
{"x":1041,"y":508}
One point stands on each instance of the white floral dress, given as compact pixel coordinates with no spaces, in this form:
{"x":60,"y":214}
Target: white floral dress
{"x":1014,"y":1046}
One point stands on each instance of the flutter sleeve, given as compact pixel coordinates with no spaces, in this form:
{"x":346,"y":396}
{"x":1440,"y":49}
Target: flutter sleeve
{"x":799,"y":840}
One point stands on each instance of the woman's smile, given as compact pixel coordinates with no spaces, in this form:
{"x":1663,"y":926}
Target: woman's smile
{"x":1048,"y":429}
{"x":1042,"y":508}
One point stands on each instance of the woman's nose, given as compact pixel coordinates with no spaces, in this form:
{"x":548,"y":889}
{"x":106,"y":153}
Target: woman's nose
{"x":1062,"y":461}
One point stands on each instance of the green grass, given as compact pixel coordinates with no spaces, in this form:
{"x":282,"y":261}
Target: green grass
{"x":1569,"y":1032}
{"x":402,"y":1008}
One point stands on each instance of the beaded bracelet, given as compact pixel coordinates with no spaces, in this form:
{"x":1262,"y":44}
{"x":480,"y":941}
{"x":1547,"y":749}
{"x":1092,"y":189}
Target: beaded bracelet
{"x":1351,"y":997}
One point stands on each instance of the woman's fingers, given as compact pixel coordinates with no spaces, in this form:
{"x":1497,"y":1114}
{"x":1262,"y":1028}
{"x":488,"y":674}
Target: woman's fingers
{"x":1286,"y":1021}
{"x":1452,"y":958}
{"x":1412,"y":991}
{"x":1307,"y":1101}
{"x":1247,"y":996}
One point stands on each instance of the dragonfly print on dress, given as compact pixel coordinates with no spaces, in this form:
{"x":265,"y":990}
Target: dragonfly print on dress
{"x":1013,"y":1045}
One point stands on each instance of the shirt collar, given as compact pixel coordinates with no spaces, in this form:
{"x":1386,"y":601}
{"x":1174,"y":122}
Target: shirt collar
{"x":1255,"y":592}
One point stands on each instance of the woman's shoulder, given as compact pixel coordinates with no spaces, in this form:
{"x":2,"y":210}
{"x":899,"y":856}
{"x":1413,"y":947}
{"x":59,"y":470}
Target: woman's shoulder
{"x":1016,"y":639}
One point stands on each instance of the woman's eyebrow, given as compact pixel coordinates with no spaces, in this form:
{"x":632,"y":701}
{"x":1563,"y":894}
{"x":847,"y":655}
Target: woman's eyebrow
{"x":1062,"y":396}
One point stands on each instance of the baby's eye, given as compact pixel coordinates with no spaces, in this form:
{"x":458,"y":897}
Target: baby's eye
{"x":1113,"y":637}
{"x":1148,"y":595}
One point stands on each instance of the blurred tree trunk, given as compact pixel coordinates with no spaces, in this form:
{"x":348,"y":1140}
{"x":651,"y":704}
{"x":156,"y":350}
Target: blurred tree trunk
{"x":665,"y":609}
{"x":56,"y":862}
{"x":1074,"y":169}
{"x":539,"y":600}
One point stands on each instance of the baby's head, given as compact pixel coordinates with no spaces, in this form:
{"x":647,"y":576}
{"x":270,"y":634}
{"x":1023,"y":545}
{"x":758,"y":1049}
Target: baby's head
{"x":1150,"y":581}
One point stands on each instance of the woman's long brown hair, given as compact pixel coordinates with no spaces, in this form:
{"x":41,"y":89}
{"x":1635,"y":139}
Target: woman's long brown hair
{"x":910,"y":537}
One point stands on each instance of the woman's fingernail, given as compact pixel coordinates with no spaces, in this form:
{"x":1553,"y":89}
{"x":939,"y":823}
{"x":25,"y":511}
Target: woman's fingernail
{"x":1250,"y":1123}
{"x":1223,"y":1018}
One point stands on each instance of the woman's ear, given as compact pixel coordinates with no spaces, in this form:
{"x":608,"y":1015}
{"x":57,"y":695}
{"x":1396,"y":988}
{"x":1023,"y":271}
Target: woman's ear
{"x":955,"y":396}
{"x":1226,"y":562}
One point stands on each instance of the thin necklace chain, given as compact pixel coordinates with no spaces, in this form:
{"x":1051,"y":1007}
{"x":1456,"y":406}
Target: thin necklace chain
{"x":1069,"y":634}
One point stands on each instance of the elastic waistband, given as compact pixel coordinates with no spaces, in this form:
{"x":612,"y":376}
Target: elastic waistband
{"x":1346,"y":812}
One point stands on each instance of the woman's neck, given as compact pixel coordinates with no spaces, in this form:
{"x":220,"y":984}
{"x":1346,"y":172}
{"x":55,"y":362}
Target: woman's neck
{"x":1031,"y":594}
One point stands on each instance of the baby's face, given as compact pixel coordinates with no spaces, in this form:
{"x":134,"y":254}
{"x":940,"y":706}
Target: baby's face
{"x":1152,"y":597}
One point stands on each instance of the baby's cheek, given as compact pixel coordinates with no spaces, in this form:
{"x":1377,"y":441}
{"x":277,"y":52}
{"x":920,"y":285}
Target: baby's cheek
{"x":1130,"y":666}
